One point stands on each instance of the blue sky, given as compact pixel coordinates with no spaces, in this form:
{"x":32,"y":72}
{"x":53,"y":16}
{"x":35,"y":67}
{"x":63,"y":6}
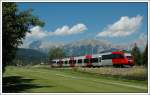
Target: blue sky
{"x":88,"y":20}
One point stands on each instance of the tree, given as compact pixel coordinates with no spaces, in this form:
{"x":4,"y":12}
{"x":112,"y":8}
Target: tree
{"x":15,"y":25}
{"x":136,"y":55}
{"x":55,"y":53}
{"x":145,"y":56}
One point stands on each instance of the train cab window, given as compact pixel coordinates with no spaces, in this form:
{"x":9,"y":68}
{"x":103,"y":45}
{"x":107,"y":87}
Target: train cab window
{"x":79,"y":60}
{"x":94,"y":60}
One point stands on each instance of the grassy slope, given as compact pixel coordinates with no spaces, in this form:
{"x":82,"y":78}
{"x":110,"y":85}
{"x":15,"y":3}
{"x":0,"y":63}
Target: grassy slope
{"x":56,"y":80}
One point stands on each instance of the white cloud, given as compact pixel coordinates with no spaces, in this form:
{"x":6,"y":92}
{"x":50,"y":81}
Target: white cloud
{"x":38,"y":32}
{"x":124,"y":27}
{"x":65,"y":30}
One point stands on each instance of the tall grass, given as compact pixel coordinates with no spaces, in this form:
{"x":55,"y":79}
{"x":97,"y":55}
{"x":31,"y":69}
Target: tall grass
{"x":136,"y":73}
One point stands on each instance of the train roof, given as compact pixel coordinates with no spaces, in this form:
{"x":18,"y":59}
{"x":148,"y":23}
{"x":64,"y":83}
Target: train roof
{"x":105,"y":53}
{"x":96,"y":55}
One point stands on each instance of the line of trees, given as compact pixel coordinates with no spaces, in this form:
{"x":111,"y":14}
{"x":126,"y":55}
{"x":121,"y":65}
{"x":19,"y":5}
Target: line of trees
{"x":56,"y":53}
{"x":140,"y":58}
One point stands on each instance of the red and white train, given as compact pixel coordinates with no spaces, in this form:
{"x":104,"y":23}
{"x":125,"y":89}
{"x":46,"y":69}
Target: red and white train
{"x":117,"y":58}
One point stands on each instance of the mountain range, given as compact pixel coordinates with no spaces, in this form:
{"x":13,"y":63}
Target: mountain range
{"x":80,"y":47}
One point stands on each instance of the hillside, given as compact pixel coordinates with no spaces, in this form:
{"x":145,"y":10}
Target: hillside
{"x":30,"y":56}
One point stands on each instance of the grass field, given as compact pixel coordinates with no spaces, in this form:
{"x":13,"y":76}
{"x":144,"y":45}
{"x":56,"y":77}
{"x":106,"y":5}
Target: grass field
{"x":33,"y":79}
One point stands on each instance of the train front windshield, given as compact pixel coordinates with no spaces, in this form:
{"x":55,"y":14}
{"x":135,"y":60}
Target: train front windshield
{"x":129,"y":57}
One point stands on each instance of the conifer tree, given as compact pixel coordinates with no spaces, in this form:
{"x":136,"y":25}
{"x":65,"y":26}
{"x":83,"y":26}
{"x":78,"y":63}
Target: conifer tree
{"x":136,"y":55}
{"x":145,"y":56}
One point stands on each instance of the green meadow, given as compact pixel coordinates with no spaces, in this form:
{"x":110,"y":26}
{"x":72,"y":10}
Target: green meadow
{"x":55,"y":80}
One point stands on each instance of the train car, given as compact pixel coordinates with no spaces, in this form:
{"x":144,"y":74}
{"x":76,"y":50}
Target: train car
{"x":117,"y":59}
{"x":79,"y":61}
{"x":57,"y":63}
{"x":106,"y":59}
{"x":54,"y":63}
{"x":96,"y":60}
{"x":66,"y":62}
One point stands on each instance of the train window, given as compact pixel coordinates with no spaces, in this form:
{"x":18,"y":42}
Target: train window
{"x":53,"y":62}
{"x":79,"y":60}
{"x":86,"y":60}
{"x":61,"y":62}
{"x":120,"y":56}
{"x":94,"y":60}
{"x":106,"y":57}
{"x":57,"y":62}
{"x":72,"y":61}
{"x":66,"y":62}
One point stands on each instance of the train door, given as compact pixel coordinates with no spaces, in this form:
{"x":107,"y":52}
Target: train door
{"x":87,"y":60}
{"x":60,"y":63}
{"x":72,"y":62}
{"x":100,"y":61}
{"x":79,"y":62}
{"x":95,"y":61}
